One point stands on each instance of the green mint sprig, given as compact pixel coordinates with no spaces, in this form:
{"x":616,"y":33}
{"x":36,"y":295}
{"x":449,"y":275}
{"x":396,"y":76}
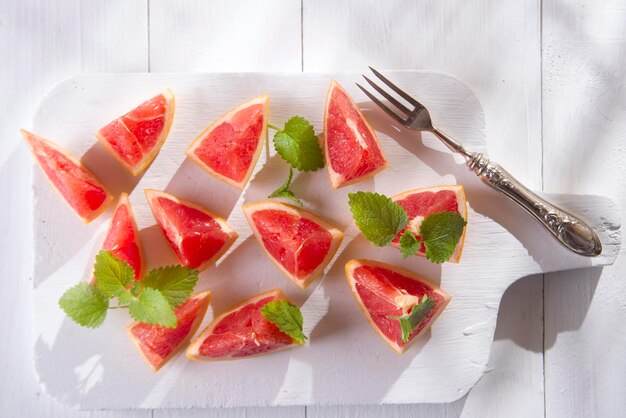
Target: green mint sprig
{"x":380,"y":219}
{"x":151,"y":300}
{"x":410,"y":321}
{"x":284,"y":192}
{"x":287,"y":317}
{"x":297,"y":144}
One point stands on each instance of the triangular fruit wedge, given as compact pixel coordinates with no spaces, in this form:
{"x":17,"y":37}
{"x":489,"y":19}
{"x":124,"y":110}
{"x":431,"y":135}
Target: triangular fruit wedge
{"x":230,"y":147}
{"x":158,"y":344}
{"x":122,"y":238}
{"x":383,"y":292}
{"x":197,"y":237}
{"x":419,"y":203}
{"x":299,"y":243}
{"x":241,"y":332}
{"x":135,"y":138}
{"x":74,"y":182}
{"x":350,"y":144}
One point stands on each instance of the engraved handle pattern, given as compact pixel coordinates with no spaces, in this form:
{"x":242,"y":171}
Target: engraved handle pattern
{"x":568,"y":229}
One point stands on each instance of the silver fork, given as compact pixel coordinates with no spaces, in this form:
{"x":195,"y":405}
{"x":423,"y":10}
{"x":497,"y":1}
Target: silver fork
{"x":569,"y":230}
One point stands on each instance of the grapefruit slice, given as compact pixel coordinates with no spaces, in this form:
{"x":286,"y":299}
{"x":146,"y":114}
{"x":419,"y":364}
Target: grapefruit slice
{"x":299,"y":243}
{"x":420,"y":203}
{"x":230,"y":147}
{"x":382,"y":291}
{"x":135,"y":138}
{"x":158,"y":344}
{"x":241,"y":332}
{"x":197,"y":237}
{"x":350,"y":145}
{"x":122,"y":238}
{"x":74,"y":182}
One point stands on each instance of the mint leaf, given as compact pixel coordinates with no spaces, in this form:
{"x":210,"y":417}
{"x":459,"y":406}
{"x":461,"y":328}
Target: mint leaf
{"x":151,"y":307}
{"x":112,"y":275}
{"x":409,"y":245}
{"x":378,"y":217}
{"x":297,"y":144}
{"x":441,"y":232}
{"x":125,"y":297}
{"x":85,"y":304}
{"x":286,"y":316}
{"x":409,"y":322}
{"x":174,"y":282}
{"x":283,"y":191}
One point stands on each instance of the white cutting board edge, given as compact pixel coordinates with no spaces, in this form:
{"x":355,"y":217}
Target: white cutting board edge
{"x":96,"y":374}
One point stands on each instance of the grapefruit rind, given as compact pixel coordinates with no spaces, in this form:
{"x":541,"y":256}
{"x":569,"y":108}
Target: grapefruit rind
{"x":462,"y":205}
{"x":190,"y":151}
{"x":124,"y":201}
{"x":336,"y":234}
{"x":232,"y":234}
{"x":193,"y":351}
{"x":334,"y":177}
{"x":205,"y":296}
{"x":29,"y":137}
{"x":353,"y":264}
{"x":150,"y":156}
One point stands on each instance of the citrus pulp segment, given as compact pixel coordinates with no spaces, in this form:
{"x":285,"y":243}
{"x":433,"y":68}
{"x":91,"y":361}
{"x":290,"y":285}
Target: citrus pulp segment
{"x":229,"y":148}
{"x":382,"y":290}
{"x":298,"y":242}
{"x":197,"y":236}
{"x":350,"y":144}
{"x":158,"y":344}
{"x":241,"y":332}
{"x":134,"y":139}
{"x":419,"y":203}
{"x":74,"y":182}
{"x":122,"y":238}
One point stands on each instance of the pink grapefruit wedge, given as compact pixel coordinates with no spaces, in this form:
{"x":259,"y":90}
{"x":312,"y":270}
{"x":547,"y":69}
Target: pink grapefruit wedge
{"x":350,"y":144}
{"x":135,"y":138}
{"x":420,"y":203}
{"x":230,"y":147}
{"x":197,"y":237}
{"x":122,"y":238}
{"x":241,"y":332}
{"x":299,"y":243}
{"x":158,"y":344}
{"x":382,"y":290}
{"x":74,"y":182}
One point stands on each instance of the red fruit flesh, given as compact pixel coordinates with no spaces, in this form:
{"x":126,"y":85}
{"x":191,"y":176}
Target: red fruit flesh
{"x":122,"y":238}
{"x":229,"y":147}
{"x":378,"y":289}
{"x":123,"y":142}
{"x":244,"y":332}
{"x":194,"y":236}
{"x":77,"y":185}
{"x":298,"y":244}
{"x":158,"y":343}
{"x":353,"y":151}
{"x":146,"y":121}
{"x":426,"y":203}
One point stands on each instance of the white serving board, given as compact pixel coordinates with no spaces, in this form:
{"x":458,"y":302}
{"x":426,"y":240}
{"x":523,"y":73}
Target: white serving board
{"x":345,"y":362}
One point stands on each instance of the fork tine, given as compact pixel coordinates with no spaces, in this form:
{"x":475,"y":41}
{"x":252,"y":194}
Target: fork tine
{"x":389,"y":97}
{"x":397,"y":89}
{"x":381,"y":105}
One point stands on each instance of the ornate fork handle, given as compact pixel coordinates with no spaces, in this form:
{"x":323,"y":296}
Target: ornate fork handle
{"x":568,"y":229}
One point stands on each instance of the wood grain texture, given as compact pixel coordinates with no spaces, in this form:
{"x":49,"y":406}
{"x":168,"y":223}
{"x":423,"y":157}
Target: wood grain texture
{"x":92,"y":373}
{"x":495,"y":49}
{"x":584,"y":53}
{"x":45,"y":42}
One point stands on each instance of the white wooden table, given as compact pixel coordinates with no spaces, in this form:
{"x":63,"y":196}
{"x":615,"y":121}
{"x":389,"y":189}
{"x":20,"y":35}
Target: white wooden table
{"x":549,"y":74}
